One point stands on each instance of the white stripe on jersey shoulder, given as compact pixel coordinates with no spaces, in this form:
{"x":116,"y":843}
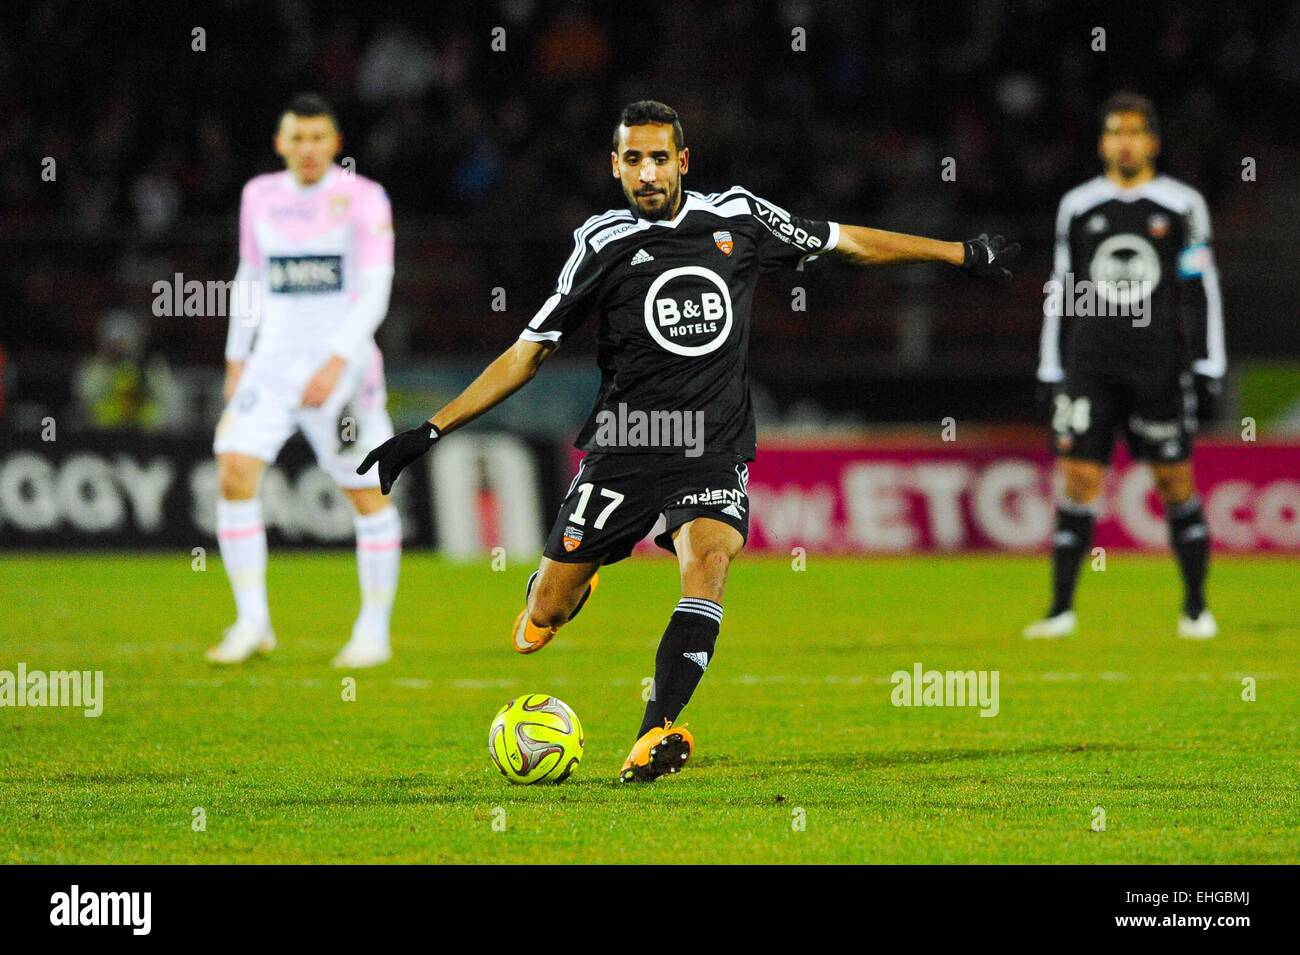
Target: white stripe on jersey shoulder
{"x":718,"y":196}
{"x":1169,"y":192}
{"x":1166,"y":190}
{"x":727,"y":196}
{"x":728,"y":208}
{"x":1179,"y":196}
{"x":580,"y":237}
{"x":1083,"y":197}
{"x":620,"y":230}
{"x":1193,"y":206}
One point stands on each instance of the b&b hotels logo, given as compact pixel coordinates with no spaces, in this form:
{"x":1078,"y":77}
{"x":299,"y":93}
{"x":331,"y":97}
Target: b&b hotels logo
{"x":134,"y":909}
{"x":688,"y":311}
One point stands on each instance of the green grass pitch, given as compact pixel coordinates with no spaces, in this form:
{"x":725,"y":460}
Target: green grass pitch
{"x":801,"y":756}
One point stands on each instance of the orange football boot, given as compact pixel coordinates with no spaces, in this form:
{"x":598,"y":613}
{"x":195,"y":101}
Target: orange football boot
{"x":660,"y":751}
{"x":527,"y":637}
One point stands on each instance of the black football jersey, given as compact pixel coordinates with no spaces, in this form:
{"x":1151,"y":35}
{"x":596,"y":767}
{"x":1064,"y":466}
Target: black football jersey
{"x":673,"y":300}
{"x":1133,"y":278}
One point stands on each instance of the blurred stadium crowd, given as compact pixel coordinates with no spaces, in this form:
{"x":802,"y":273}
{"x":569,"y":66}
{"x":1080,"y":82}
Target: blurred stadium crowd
{"x":492,"y":158}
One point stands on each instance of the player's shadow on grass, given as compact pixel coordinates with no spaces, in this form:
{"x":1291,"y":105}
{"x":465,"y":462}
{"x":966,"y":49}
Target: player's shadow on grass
{"x":883,"y":760}
{"x":106,"y":779}
{"x":427,"y":790}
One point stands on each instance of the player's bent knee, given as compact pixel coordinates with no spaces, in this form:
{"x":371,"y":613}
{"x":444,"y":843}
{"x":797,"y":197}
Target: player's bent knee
{"x":366,"y":501}
{"x":237,"y":477}
{"x":1174,"y":486}
{"x":551,"y":605}
{"x":1082,"y":481}
{"x":715,"y":563}
{"x":706,"y":574}
{"x":547,"y":613}
{"x":1082,"y":492}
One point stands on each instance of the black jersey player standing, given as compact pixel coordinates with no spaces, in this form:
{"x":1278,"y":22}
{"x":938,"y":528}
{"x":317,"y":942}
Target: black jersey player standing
{"x":670,"y":281}
{"x":1139,"y":241}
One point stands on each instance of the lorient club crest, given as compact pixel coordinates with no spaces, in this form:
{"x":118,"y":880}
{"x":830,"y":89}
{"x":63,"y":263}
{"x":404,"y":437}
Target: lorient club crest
{"x":722,"y":239}
{"x":572,"y":538}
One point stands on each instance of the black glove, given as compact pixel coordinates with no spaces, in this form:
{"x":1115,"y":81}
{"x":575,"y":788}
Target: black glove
{"x":988,"y":258}
{"x":1209,"y":397}
{"x":399,"y":451}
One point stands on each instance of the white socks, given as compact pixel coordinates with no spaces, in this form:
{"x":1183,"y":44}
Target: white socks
{"x":243,"y":551}
{"x":379,"y":553}
{"x":242,"y":538}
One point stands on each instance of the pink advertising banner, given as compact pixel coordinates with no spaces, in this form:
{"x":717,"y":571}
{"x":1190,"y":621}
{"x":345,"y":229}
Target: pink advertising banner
{"x":901,"y":497}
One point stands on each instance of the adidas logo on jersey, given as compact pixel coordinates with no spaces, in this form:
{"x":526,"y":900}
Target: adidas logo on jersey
{"x":641,"y":257}
{"x":732,"y":510}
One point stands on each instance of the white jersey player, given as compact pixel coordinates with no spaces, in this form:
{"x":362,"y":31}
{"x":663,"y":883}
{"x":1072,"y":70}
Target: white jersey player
{"x":316,"y":243}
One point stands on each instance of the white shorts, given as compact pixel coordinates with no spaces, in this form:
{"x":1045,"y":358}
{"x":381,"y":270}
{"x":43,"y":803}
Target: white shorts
{"x":267,"y":408}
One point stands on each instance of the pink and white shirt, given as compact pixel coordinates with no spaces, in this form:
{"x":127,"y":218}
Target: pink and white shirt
{"x":321,"y":260}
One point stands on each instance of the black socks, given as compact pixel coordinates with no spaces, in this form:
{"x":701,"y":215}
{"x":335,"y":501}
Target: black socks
{"x":1071,"y":540}
{"x":685,"y":651}
{"x":1190,"y":539}
{"x":1188,"y":536}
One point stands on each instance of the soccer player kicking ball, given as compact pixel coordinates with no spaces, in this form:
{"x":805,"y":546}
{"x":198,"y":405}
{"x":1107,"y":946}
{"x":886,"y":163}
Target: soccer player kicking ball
{"x":316,"y":242}
{"x":671,"y":278}
{"x":1143,"y":242}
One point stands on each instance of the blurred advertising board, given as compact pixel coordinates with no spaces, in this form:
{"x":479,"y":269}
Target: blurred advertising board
{"x":481,"y":490}
{"x":85,"y":490}
{"x":904,"y":497}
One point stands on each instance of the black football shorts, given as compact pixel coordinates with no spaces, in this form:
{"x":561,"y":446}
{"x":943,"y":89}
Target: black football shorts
{"x":615,"y":499}
{"x":1154,"y":405}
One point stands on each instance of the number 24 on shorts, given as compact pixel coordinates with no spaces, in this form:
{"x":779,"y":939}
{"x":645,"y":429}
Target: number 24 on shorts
{"x":1071,"y":415}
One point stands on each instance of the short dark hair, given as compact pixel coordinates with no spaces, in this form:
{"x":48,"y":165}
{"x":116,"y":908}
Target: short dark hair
{"x":650,"y":111}
{"x":310,"y":104}
{"x":1126,"y":102}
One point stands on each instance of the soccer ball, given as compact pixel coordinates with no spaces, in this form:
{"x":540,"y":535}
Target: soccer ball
{"x":536,"y":738}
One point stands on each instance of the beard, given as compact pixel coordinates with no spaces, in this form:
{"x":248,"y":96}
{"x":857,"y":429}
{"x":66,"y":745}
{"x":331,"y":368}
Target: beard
{"x":1129,"y":170}
{"x":664,"y":211}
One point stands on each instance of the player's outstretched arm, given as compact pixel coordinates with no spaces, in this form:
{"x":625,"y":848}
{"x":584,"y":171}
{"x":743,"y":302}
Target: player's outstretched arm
{"x":981,"y":256}
{"x":511,"y":370}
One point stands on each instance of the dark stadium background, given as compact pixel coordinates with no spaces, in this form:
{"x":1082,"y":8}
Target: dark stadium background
{"x":902,"y":504}
{"x":492,"y":158}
